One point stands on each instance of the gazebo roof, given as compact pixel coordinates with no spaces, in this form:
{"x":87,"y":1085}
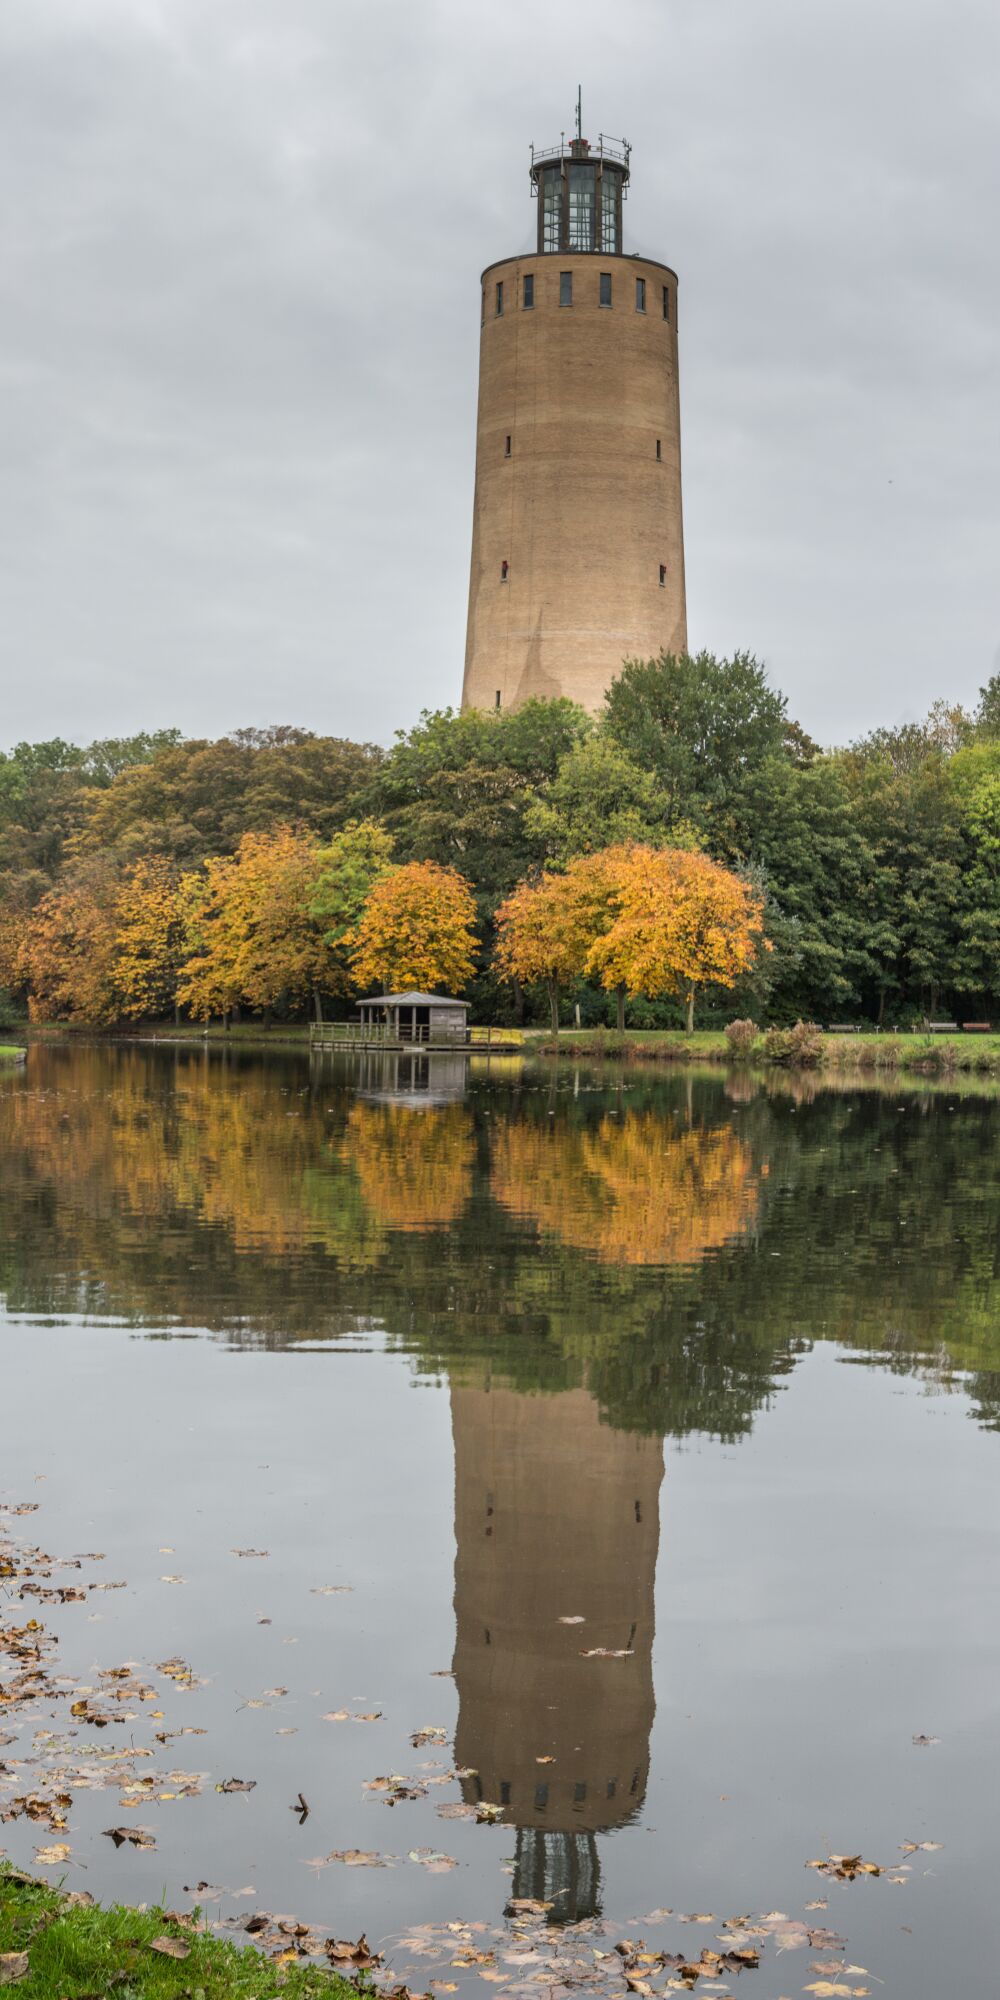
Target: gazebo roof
{"x":412,"y":1000}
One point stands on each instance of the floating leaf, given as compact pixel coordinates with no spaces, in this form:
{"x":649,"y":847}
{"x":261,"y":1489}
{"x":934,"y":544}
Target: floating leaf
{"x":237,"y":1785}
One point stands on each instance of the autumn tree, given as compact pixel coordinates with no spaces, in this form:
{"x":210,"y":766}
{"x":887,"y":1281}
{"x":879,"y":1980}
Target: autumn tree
{"x":681,"y":923}
{"x":417,"y":930}
{"x":149,"y":939}
{"x":68,"y":955}
{"x":544,"y":932}
{"x":251,"y":934}
{"x":346,"y":872}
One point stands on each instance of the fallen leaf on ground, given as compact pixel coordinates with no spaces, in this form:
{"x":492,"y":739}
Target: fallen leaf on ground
{"x":13,"y":1966}
{"x":170,"y":1947}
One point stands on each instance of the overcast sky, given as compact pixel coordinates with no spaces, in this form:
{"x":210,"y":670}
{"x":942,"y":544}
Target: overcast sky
{"x":239,"y":325}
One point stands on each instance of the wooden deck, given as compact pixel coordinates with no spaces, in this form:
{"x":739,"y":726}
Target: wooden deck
{"x":470,"y":1041}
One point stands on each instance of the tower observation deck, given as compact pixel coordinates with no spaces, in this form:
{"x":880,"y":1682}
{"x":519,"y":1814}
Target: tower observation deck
{"x":577,"y":539}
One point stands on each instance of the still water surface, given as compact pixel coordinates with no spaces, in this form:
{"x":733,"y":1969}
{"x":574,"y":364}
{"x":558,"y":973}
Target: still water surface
{"x":636,"y":1436}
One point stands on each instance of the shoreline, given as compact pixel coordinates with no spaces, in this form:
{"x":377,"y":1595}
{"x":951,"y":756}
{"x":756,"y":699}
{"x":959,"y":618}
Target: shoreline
{"x":57,"y":1944}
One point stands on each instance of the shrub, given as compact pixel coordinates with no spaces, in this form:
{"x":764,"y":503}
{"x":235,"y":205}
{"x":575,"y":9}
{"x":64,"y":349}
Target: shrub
{"x":740,"y":1038}
{"x":801,"y":1046}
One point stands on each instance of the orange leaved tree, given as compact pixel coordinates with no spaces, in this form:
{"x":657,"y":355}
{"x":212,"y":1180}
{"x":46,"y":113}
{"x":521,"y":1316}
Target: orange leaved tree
{"x":546,"y":928}
{"x":681,"y":922}
{"x":417,"y":930}
{"x":68,"y":957}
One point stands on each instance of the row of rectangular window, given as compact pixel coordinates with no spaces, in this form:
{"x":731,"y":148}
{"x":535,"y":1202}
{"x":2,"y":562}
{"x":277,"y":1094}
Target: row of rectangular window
{"x":505,"y":578}
{"x":508,"y":443}
{"x":566,"y":293}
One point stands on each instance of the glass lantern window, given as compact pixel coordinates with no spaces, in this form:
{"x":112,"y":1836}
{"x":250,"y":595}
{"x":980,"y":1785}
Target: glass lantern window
{"x":552,"y":209}
{"x":582,"y":189}
{"x":610,"y":240}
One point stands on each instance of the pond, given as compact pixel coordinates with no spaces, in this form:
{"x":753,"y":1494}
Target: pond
{"x":628,"y":1441}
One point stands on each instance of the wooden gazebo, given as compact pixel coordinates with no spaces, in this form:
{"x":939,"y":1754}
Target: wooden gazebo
{"x":432,"y":1019}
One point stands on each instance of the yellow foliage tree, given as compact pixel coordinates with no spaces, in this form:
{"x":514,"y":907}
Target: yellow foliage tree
{"x":149,"y":939}
{"x":417,"y":930}
{"x":68,"y":954}
{"x":251,"y":933}
{"x":545,"y":930}
{"x":680,"y":922}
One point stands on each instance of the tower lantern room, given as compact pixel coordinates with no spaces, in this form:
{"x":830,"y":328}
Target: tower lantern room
{"x":580,"y":190}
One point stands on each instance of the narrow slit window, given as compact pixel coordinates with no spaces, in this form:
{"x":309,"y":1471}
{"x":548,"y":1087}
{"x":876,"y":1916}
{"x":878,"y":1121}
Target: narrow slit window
{"x":482,"y":307}
{"x":506,"y":448}
{"x":497,"y":703}
{"x":565,"y":288}
{"x":666,"y":301}
{"x":605,"y":288}
{"x":659,"y":449}
{"x":499,"y":298}
{"x":640,"y":295}
{"x":663,"y":575}
{"x":528,"y":290}
{"x":505,"y":572}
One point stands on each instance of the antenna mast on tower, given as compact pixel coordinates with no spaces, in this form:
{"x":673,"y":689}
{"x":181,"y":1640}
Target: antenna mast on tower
{"x":579,"y":111}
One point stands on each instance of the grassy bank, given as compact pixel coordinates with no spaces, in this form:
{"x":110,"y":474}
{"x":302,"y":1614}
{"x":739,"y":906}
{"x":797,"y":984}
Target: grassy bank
{"x":59,"y":1946}
{"x":10,"y":1052}
{"x":923,"y":1055}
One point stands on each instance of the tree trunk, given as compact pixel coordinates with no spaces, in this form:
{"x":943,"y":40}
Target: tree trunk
{"x":689,"y":1025}
{"x":177,"y":1013}
{"x":267,"y":1018}
{"x":620,"y":1003}
{"x":554,"y":1004}
{"x":881,"y":1008}
{"x":318,"y":1005}
{"x":518,"y":1002}
{"x":225,"y":1020}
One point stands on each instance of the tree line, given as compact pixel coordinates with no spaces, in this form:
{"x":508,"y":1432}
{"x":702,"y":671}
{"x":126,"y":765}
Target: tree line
{"x":691,"y":840}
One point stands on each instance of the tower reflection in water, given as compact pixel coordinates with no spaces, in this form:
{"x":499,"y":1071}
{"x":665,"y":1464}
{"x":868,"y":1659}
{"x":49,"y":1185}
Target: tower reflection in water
{"x":557,"y":1529}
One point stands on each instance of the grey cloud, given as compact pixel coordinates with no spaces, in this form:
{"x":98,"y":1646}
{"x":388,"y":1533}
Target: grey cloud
{"x":239,"y":330}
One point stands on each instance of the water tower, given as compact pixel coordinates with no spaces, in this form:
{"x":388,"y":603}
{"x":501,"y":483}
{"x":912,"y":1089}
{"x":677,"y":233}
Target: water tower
{"x":577,"y":540}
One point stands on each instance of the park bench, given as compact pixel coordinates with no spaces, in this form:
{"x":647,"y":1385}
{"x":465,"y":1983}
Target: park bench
{"x":977,"y":1028}
{"x":844,"y":1028}
{"x":941,"y":1027}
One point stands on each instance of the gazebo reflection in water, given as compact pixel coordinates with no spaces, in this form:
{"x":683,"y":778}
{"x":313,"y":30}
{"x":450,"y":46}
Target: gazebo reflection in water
{"x":557,"y":1530}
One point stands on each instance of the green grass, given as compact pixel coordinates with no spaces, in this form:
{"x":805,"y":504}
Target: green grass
{"x":78,"y":1949}
{"x":9,"y":1052}
{"x":928,"y":1055}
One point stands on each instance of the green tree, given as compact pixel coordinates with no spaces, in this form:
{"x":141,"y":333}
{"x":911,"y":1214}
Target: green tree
{"x":598,"y":798}
{"x":346,"y":872}
{"x":701,"y":725}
